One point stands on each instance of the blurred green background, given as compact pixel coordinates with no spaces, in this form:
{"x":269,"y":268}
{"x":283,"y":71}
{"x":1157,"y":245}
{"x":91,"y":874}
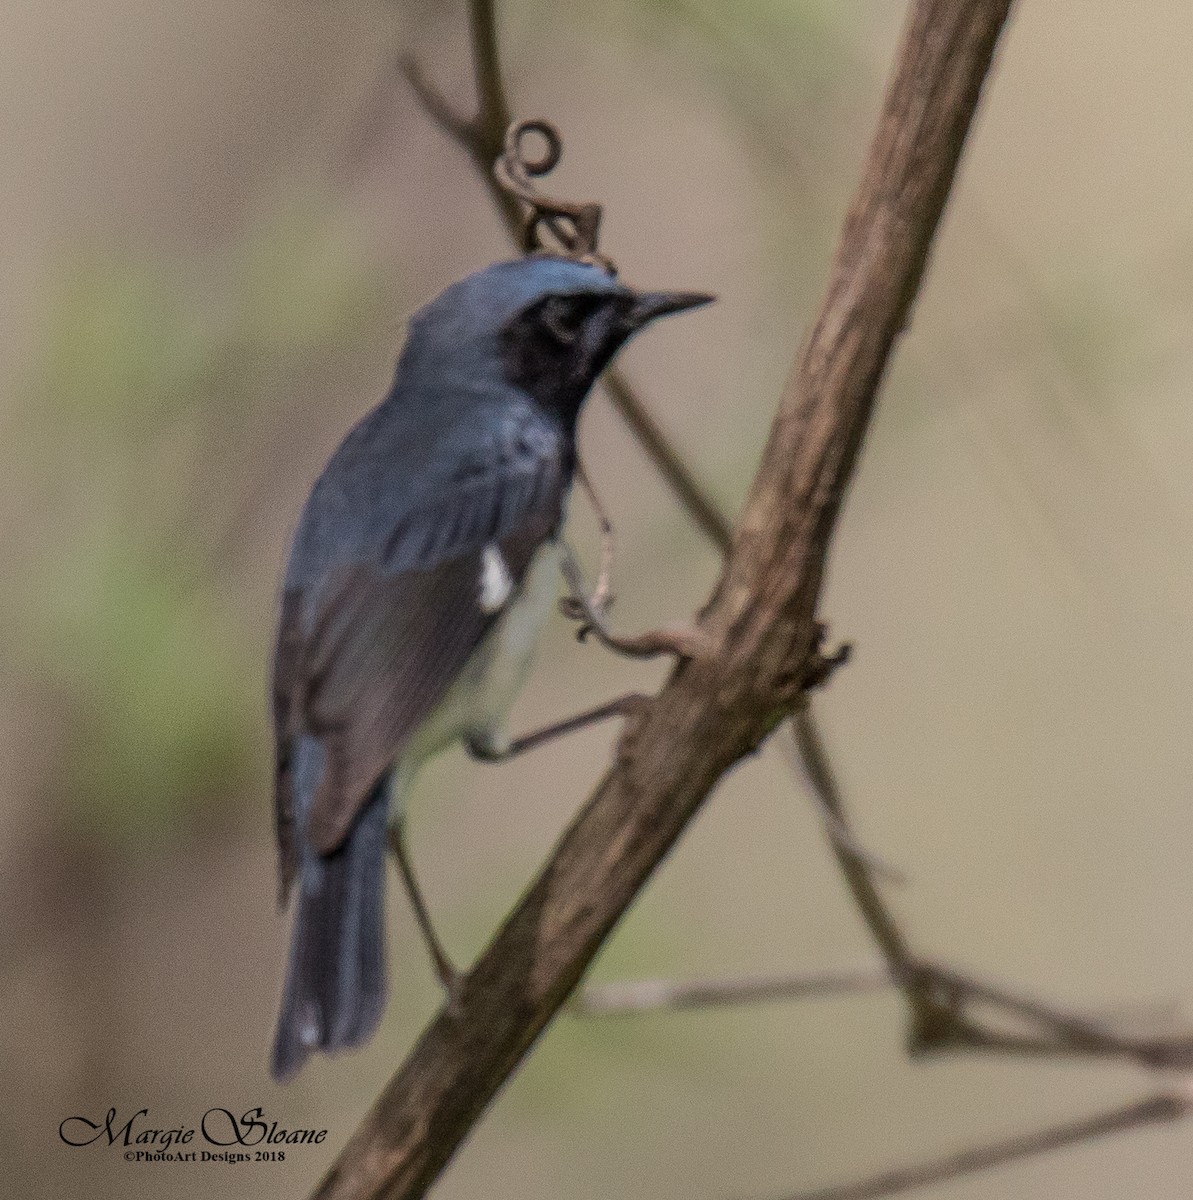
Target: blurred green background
{"x":216,"y":220}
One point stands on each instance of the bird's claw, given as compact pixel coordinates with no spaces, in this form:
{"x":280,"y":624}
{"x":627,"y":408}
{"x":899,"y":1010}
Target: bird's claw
{"x":682,"y":641}
{"x":575,"y":609}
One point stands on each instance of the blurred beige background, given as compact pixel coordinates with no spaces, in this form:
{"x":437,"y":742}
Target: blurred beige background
{"x":216,"y":220}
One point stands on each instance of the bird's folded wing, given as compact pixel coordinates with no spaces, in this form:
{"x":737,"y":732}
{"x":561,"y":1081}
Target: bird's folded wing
{"x":388,"y":639}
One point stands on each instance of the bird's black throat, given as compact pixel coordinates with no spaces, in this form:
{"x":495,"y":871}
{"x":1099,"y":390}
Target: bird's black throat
{"x":555,"y":349}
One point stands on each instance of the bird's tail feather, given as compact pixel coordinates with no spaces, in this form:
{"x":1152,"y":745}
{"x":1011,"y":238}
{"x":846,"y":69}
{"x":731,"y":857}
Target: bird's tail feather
{"x":336,"y":979}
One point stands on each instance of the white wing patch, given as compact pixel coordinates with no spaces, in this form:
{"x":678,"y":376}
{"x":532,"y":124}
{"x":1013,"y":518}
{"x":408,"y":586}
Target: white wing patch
{"x":496,"y":583}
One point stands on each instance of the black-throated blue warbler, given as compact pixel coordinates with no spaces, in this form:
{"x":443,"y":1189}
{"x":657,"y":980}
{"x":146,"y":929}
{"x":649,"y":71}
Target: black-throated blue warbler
{"x":424,"y":563}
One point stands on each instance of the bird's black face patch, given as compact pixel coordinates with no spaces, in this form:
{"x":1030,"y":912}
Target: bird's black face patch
{"x":555,"y":349}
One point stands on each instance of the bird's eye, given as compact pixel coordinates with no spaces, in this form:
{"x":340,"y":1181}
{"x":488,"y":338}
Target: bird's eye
{"x":562,"y":317}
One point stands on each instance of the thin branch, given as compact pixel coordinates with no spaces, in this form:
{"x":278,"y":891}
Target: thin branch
{"x":1063,"y":1031}
{"x":859,"y":877}
{"x":460,"y":129}
{"x":760,"y":622}
{"x":941,"y":998}
{"x":493,"y":110}
{"x":816,"y":772}
{"x":653,"y":995}
{"x":692,"y":497}
{"x":1153,"y":1110}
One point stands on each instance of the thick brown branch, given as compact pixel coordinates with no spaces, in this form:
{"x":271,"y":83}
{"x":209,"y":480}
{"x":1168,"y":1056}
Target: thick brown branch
{"x":882,"y":253}
{"x":714,"y":709}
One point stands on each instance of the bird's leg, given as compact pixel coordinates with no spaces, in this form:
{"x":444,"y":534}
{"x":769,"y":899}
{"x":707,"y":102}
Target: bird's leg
{"x":682,"y":641}
{"x":623,"y":706}
{"x":449,"y":977}
{"x":602,"y":595}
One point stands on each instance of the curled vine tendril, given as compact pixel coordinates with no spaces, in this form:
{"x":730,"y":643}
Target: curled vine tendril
{"x":574,"y":227}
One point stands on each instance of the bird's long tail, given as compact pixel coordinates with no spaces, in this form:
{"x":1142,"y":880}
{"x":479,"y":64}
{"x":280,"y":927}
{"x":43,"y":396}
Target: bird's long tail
{"x":336,"y":979}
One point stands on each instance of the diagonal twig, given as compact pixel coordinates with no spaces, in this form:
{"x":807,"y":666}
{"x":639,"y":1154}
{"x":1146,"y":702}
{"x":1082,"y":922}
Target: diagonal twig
{"x":1152,"y":1110}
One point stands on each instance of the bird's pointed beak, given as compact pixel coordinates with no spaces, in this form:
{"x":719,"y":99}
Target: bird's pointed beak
{"x":649,"y":305}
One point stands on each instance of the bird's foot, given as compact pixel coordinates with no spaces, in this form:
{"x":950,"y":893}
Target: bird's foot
{"x":682,"y":641}
{"x":600,"y":602}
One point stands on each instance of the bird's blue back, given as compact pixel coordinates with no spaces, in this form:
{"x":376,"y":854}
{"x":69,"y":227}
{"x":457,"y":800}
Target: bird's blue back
{"x":450,"y":401}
